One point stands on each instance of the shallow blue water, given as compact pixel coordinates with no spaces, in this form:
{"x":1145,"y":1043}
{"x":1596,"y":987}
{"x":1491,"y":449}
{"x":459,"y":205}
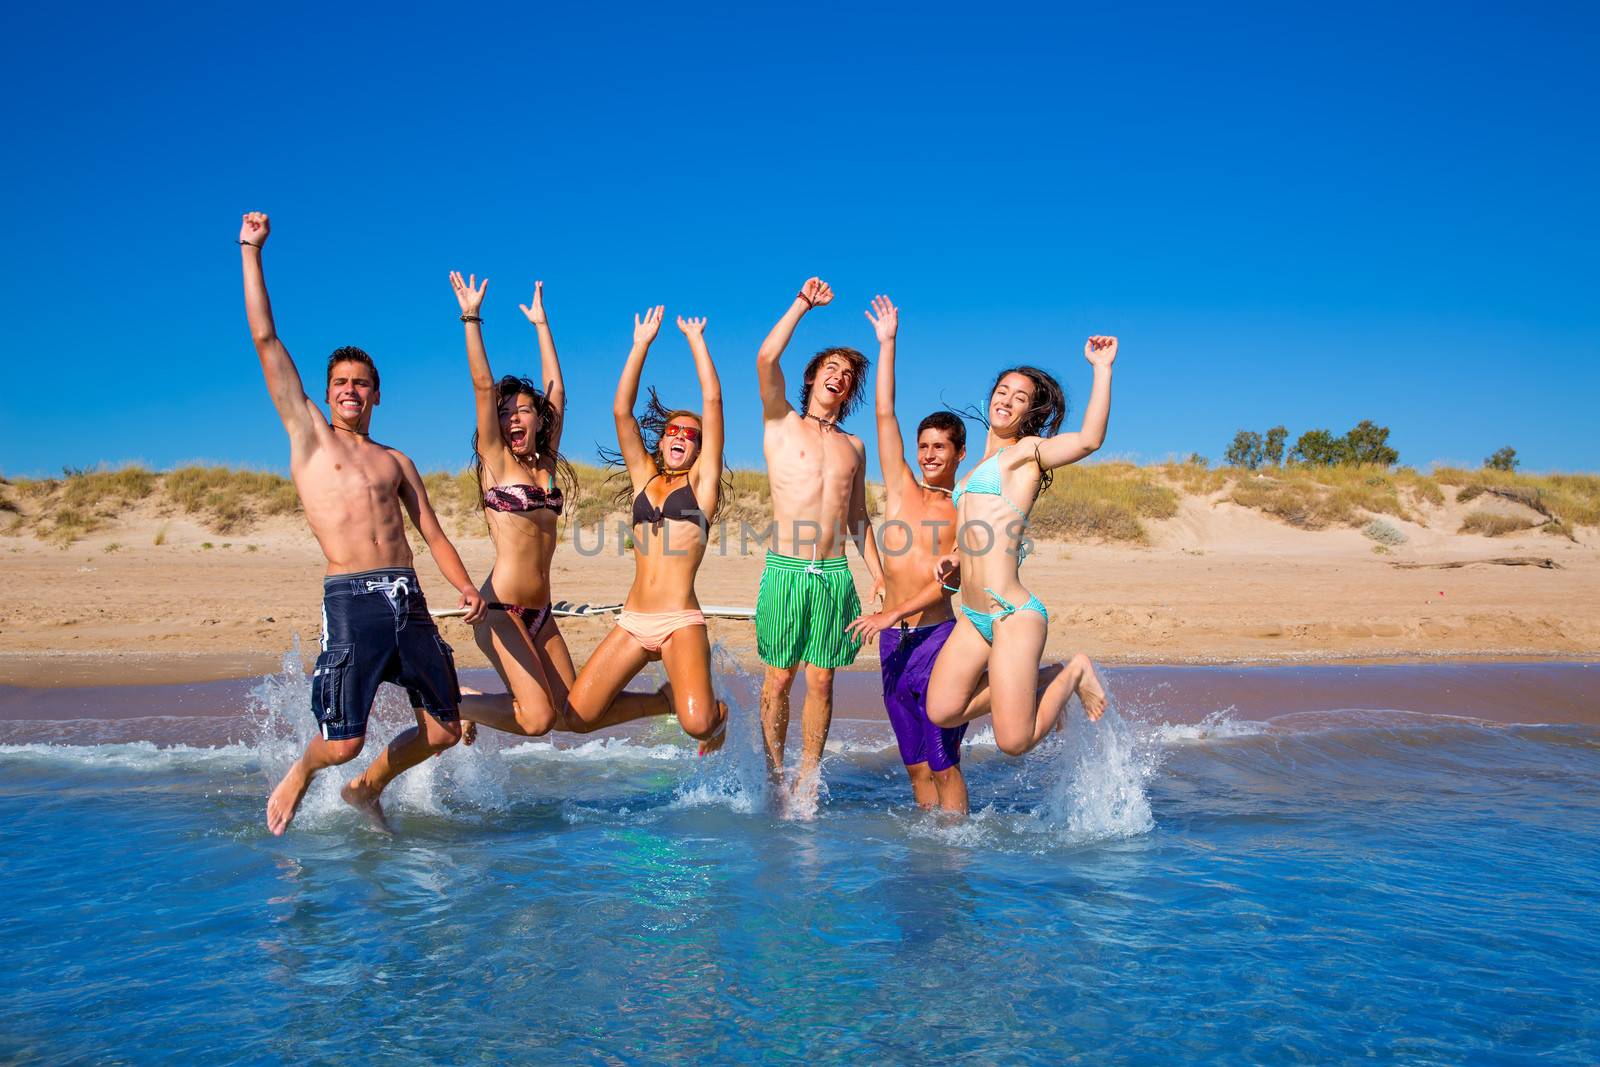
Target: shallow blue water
{"x":1319,"y":886}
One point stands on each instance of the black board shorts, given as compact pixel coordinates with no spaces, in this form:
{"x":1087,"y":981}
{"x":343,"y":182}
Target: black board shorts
{"x":375,"y":629}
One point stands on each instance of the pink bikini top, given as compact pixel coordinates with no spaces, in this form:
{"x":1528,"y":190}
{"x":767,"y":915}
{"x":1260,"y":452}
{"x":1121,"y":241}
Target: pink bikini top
{"x":523,"y":498}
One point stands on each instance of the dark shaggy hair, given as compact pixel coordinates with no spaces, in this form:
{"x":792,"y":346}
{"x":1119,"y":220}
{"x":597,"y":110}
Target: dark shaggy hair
{"x":652,"y":424}
{"x":858,"y":364}
{"x":1044,"y":414}
{"x":350,"y":354}
{"x":950,"y":423}
{"x":510,"y":386}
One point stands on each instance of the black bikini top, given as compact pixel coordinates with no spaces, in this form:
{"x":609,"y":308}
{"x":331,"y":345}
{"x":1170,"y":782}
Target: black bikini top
{"x":523,"y":498}
{"x":680,"y":505}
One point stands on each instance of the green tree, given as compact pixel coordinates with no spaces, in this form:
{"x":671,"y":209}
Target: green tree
{"x":1246,"y":450}
{"x":1319,"y":448}
{"x":1503,"y":460}
{"x":1272,"y":450}
{"x":1367,"y":443}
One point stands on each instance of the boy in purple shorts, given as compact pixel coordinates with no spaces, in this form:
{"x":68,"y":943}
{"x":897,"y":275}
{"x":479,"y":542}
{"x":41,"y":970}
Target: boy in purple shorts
{"x":919,"y":527}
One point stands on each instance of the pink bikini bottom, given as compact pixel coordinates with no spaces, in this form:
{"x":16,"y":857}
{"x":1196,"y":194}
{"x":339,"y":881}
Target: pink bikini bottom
{"x":651,"y":628}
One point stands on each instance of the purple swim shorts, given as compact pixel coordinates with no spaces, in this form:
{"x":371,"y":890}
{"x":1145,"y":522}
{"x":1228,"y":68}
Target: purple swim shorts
{"x":907,"y":656}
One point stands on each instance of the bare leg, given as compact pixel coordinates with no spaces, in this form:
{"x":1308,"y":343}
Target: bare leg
{"x":923,"y":790}
{"x":956,"y":690}
{"x":291,"y":789}
{"x":526,"y":707}
{"x":1019,"y":720}
{"x":686,"y":655}
{"x":816,"y":717}
{"x":775,"y":715}
{"x":597,"y":699}
{"x":411,"y":747}
{"x":952,"y":787}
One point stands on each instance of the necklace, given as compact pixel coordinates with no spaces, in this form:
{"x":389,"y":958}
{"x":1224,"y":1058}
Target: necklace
{"x":348,"y":430}
{"x":830,"y":424}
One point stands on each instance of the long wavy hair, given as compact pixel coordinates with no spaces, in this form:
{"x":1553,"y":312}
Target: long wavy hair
{"x":510,"y":386}
{"x":653,"y":422}
{"x":1045,"y":412}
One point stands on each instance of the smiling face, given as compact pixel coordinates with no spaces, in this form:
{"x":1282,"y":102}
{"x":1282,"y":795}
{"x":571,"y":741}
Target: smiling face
{"x":352,"y":394}
{"x":1014,"y":394}
{"x":831,"y":385}
{"x":519,"y":424}
{"x":938,"y":456}
{"x":834,"y":384}
{"x":680,"y":442}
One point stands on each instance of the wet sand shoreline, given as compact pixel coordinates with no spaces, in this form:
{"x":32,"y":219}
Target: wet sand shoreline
{"x":1502,"y":692}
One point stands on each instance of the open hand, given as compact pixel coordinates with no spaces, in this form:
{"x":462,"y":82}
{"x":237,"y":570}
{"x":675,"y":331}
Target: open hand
{"x":255,"y":228}
{"x":866,"y":627}
{"x":946,"y":568}
{"x":887,"y":320}
{"x":645,"y":329}
{"x":692,"y":328}
{"x":535,"y":309}
{"x":469,"y":294}
{"x":472,"y":600}
{"x":1100,"y":351}
{"x":816,"y":292}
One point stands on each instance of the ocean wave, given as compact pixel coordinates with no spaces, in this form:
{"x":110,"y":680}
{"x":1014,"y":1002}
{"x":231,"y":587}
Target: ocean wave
{"x":135,"y":755}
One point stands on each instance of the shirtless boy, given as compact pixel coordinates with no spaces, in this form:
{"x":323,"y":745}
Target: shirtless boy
{"x":819,"y":499}
{"x":376,"y":626}
{"x":919,"y":528}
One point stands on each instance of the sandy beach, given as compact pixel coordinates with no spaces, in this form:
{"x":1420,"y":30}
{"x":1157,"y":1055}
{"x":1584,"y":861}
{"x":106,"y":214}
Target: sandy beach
{"x":1218,"y":583}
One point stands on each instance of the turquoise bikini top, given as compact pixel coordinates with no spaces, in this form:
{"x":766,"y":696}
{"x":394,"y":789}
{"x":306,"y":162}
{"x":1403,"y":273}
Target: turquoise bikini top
{"x":985,"y":481}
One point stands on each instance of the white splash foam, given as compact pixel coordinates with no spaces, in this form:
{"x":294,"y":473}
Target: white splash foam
{"x":1218,"y":726}
{"x":135,"y":756}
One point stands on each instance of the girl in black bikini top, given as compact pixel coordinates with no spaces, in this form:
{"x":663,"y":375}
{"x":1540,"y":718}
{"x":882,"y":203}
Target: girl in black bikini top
{"x":680,"y":504}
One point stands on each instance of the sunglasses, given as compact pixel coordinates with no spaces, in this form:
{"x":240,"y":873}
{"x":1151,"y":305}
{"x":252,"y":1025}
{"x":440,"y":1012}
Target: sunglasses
{"x":688,"y":433}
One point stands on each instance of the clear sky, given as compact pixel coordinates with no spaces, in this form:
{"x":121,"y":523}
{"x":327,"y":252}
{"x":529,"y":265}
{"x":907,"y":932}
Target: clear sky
{"x":1306,"y":215}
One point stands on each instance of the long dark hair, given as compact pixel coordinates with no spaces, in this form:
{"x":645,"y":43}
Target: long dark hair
{"x":510,"y":386}
{"x":1045,"y":412}
{"x":652,"y":424}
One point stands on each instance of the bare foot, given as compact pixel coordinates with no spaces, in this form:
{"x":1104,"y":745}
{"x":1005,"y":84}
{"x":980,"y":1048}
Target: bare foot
{"x":469,"y":729}
{"x":364,"y":799}
{"x":715,"y":742}
{"x":1090,"y":694}
{"x":285,"y":799}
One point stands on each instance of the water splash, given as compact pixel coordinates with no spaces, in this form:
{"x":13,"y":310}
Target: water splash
{"x":736,"y":777}
{"x":1098,"y":772}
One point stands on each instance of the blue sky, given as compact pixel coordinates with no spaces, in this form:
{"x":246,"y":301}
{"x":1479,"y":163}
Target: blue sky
{"x":1306,"y":216}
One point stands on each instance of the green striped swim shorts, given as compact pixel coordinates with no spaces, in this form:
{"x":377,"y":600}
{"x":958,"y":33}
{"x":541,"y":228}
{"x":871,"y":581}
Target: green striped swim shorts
{"x":802,"y":611}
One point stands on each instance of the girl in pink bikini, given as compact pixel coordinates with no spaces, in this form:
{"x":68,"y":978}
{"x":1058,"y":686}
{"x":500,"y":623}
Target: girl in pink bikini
{"x":517,"y":460}
{"x":674,"y":465}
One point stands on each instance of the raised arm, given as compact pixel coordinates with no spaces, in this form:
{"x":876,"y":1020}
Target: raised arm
{"x":769,"y":371}
{"x":414,"y":495}
{"x":1066,"y":448}
{"x":469,"y":294}
{"x":299,"y":414}
{"x":640,"y":464}
{"x":555,"y":391}
{"x":709,"y":465}
{"x":897,"y":474}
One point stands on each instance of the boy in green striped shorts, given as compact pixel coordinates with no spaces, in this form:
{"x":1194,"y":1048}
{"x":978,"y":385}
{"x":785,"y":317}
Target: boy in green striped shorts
{"x":819,"y":501}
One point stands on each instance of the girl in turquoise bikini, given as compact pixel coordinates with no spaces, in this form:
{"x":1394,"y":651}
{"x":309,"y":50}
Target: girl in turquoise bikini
{"x":1002,"y":626}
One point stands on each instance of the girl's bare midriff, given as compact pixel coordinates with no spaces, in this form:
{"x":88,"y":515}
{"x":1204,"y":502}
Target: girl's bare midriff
{"x":524,"y":544}
{"x":988,"y":535}
{"x":666,"y":561}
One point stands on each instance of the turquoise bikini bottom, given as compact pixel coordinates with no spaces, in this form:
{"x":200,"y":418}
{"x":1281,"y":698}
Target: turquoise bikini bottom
{"x":985,"y":620}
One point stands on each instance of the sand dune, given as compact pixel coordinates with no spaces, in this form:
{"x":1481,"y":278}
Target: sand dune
{"x":1218,"y":582}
